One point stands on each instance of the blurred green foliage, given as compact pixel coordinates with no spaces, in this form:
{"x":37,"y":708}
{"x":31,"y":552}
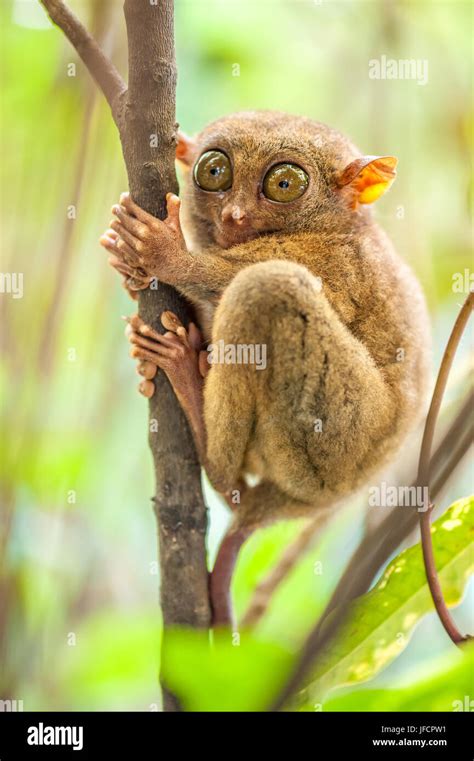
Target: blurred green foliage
{"x":381,"y":622}
{"x":243,"y":671}
{"x":445,"y":686}
{"x":77,"y":533}
{"x":232,"y":675}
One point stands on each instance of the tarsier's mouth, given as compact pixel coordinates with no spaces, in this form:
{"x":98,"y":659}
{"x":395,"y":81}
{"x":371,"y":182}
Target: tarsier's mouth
{"x":229,"y":238}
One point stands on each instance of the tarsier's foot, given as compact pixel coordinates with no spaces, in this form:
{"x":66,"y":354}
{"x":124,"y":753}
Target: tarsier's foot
{"x":176,"y":352}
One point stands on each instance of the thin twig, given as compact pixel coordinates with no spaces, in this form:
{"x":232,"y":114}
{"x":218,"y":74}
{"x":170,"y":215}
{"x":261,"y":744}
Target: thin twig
{"x":99,"y":65}
{"x":424,"y":472}
{"x":458,"y":453}
{"x":450,"y":439}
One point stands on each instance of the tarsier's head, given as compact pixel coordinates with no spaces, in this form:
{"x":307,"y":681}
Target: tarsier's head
{"x":260,"y":172}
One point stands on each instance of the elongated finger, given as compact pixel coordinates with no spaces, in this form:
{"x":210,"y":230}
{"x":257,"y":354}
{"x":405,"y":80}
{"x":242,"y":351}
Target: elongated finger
{"x":108,"y":242}
{"x":147,"y":370}
{"x":133,"y":322}
{"x":173,"y":205}
{"x":194,"y":334}
{"x":129,"y":256}
{"x":203,"y":363}
{"x":135,"y":209}
{"x":130,"y":239}
{"x":132,"y":224}
{"x":136,"y":324}
{"x":162,"y":348}
{"x":136,"y":283}
{"x":120,"y":266}
{"x":182,"y":334}
{"x":157,"y":357}
{"x":112,"y":241}
{"x":129,"y":275}
{"x":118,"y":259}
{"x":167,"y":338}
{"x":145,"y":343}
{"x":170,"y":321}
{"x":133,"y":294}
{"x":146,"y":388}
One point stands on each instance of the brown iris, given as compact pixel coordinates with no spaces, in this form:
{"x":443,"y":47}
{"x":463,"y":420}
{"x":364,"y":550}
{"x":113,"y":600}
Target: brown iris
{"x":285,"y":182}
{"x":213,"y":171}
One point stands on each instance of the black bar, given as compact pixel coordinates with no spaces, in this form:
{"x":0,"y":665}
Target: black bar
{"x":316,"y":735}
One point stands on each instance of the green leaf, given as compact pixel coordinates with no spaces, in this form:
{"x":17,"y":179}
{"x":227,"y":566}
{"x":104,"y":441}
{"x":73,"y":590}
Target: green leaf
{"x":381,"y":622}
{"x":446,"y":686}
{"x":227,"y":675}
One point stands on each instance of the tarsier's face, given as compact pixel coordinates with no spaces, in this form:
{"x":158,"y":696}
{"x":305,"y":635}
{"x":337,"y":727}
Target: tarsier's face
{"x":257,"y":173}
{"x":250,"y":200}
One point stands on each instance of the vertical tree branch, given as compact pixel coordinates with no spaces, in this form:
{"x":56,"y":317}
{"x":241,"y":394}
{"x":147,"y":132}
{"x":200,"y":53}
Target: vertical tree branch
{"x":145,"y":117}
{"x":148,"y":133}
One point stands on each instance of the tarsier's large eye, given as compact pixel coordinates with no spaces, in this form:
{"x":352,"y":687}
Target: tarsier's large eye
{"x":285,"y":182}
{"x":213,"y":171}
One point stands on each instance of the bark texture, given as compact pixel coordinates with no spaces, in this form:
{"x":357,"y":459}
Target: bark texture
{"x":148,"y":134}
{"x":145,"y":116}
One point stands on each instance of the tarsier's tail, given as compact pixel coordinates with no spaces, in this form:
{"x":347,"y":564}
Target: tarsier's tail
{"x":221,"y":576}
{"x":260,"y":505}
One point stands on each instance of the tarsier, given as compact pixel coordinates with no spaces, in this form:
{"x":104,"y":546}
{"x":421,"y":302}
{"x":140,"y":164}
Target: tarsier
{"x":275,"y":246}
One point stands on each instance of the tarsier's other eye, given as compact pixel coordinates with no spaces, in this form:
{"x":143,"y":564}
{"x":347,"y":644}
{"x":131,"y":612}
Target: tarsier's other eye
{"x":285,"y":182}
{"x":213,"y":171}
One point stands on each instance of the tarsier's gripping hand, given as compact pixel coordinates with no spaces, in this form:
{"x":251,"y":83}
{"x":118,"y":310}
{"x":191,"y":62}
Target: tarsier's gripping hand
{"x":143,"y":247}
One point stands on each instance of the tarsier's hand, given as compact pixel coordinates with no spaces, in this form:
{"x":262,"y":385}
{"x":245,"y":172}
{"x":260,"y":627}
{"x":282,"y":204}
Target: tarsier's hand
{"x":142,"y":247}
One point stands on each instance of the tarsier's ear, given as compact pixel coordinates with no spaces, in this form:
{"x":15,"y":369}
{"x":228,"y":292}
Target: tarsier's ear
{"x":368,"y":177}
{"x":184,"y":149}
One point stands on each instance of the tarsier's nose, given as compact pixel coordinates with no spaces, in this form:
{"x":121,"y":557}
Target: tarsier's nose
{"x":234,"y":213}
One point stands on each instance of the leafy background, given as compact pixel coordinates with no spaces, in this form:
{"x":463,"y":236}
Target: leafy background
{"x":79,"y":615}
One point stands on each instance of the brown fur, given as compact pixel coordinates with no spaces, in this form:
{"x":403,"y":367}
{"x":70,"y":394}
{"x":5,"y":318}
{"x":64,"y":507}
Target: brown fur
{"x":333,"y":354}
